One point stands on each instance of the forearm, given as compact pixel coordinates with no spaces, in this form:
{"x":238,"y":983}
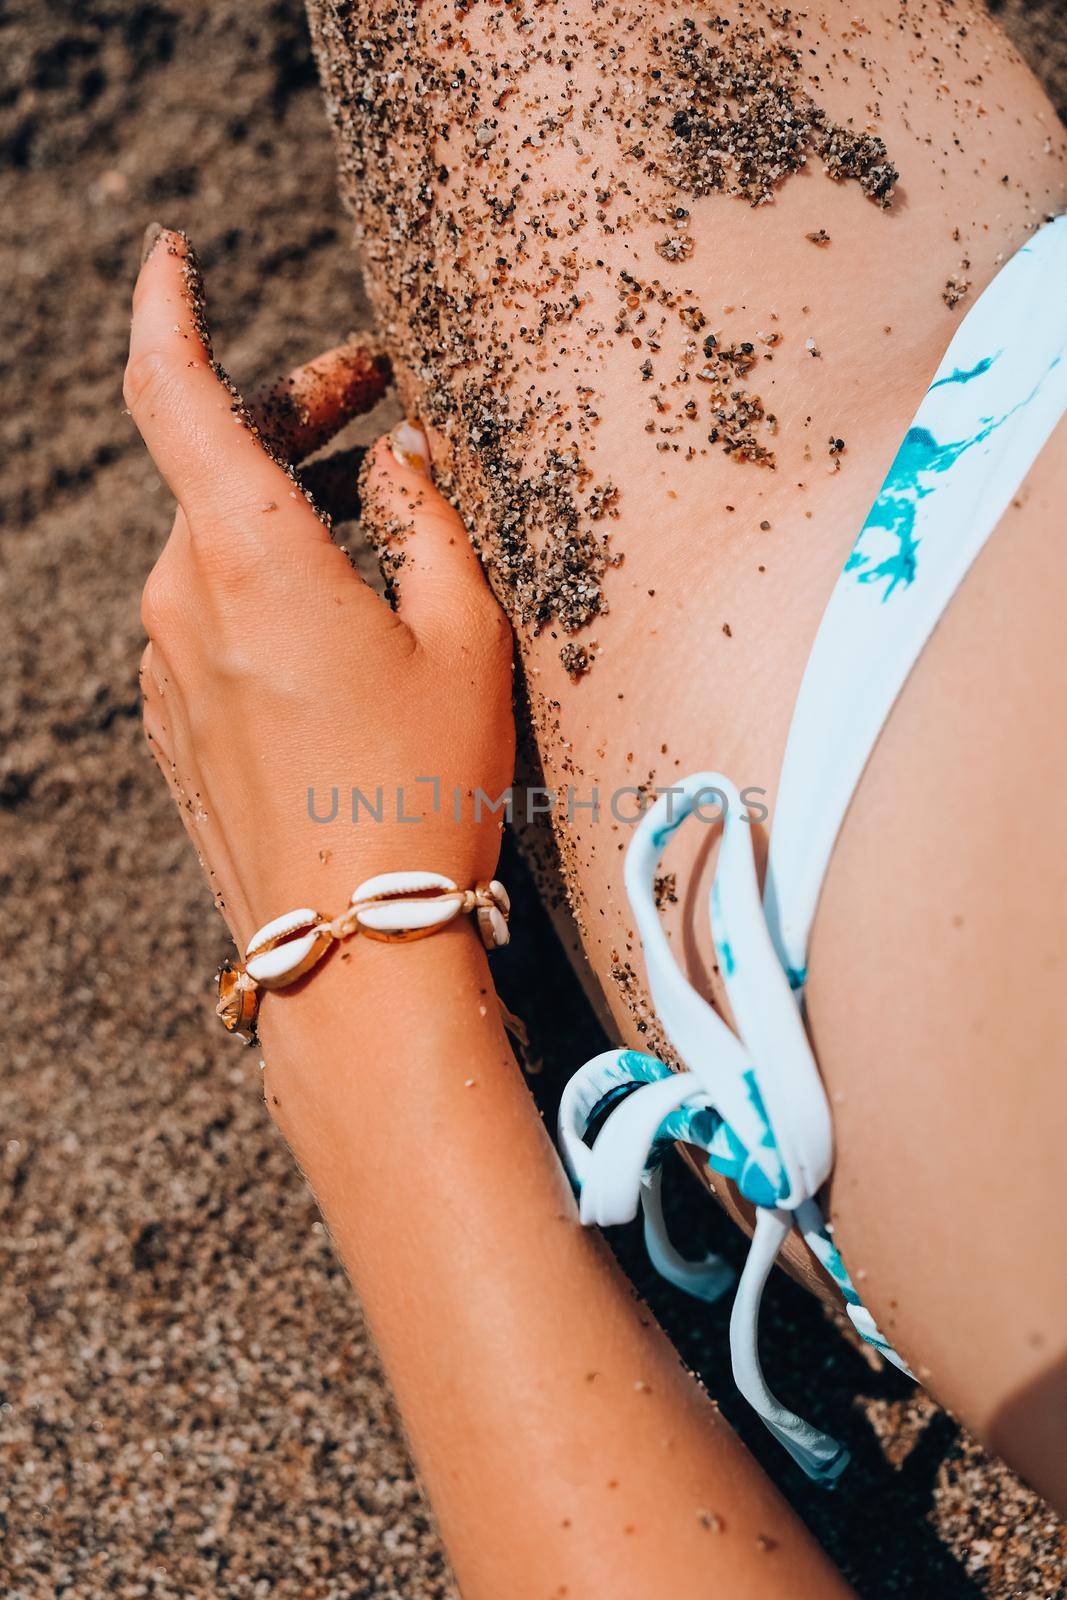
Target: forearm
{"x":563,"y":1445}
{"x":565,"y":1450}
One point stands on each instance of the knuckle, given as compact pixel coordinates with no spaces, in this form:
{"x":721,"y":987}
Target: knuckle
{"x":144,"y":379}
{"x":157,"y":604}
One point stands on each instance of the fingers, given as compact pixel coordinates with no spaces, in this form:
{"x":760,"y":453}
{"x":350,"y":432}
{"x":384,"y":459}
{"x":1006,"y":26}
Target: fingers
{"x":302,"y":411}
{"x":441,"y":591}
{"x":193,"y":422}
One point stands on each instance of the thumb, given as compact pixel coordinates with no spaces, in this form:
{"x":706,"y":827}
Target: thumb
{"x":434,"y":575}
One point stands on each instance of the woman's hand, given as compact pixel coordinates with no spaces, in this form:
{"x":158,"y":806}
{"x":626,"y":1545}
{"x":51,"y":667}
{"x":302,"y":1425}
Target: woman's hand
{"x":272,"y":670}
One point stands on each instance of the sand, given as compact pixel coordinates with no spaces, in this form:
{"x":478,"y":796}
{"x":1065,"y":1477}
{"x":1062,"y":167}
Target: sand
{"x":189,"y":1404}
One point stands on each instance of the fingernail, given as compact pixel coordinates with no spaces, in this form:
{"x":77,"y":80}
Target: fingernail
{"x":151,"y":237}
{"x":410,"y":447}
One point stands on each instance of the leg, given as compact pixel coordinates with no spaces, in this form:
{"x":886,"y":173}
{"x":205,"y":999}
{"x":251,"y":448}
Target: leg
{"x":638,"y":375}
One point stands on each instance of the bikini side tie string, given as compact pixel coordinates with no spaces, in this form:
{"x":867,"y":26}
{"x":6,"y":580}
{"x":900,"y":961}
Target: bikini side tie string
{"x":753,"y":1100}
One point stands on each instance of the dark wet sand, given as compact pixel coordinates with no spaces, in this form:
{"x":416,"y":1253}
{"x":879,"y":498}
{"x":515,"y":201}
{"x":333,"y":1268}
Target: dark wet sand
{"x":188,"y":1401}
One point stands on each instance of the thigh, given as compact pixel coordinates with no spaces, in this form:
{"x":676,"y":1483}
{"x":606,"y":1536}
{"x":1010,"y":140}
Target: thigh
{"x":664,"y":407}
{"x":939,"y":962}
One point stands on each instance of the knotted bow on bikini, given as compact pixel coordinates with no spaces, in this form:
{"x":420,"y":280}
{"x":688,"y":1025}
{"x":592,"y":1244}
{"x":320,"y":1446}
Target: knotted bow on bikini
{"x":753,"y":1100}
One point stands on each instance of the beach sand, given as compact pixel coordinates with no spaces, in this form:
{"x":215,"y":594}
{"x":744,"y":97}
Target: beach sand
{"x":189,"y":1403}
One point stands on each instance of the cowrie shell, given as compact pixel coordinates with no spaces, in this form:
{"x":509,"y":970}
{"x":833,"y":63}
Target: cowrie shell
{"x":408,"y":918}
{"x":285,"y":963}
{"x":238,"y":1002}
{"x":280,"y":928}
{"x":408,"y":905}
{"x":493,"y":927}
{"x":395,"y":883}
{"x":284,"y":949}
{"x":500,"y":895}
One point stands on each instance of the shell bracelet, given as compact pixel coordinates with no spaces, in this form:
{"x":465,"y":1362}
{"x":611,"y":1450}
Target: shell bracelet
{"x":394,"y":907}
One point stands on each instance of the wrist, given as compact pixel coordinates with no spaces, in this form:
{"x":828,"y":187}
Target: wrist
{"x":371,"y":1005}
{"x":394,"y":908}
{"x":375,"y":1051}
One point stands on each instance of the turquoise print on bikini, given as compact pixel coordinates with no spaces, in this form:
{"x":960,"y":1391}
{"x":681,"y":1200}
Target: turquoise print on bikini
{"x":704,"y":1127}
{"x":919,"y":465}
